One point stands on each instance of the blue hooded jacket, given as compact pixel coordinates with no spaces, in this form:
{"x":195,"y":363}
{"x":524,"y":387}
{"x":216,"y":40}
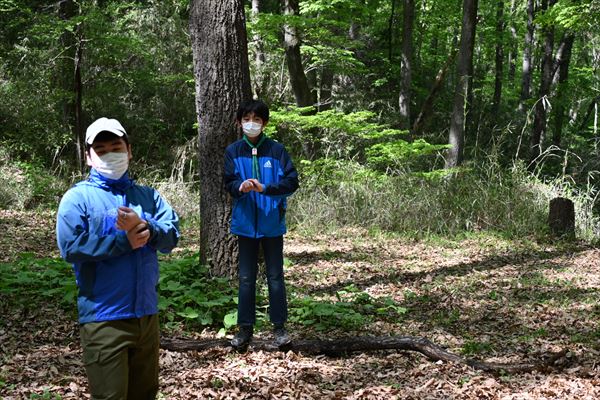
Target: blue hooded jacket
{"x":257,"y":215}
{"x":115,"y":282}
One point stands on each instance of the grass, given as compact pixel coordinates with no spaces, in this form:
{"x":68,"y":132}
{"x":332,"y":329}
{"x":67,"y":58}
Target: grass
{"x":510,"y":203}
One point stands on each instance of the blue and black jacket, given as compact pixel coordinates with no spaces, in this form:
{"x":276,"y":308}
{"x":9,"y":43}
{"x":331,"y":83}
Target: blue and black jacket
{"x":257,"y":215}
{"x":114,"y":281}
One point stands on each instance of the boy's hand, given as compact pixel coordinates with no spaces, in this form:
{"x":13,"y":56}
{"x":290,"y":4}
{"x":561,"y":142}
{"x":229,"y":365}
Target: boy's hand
{"x":256,"y":185}
{"x":246,"y":186}
{"x":127,"y":219}
{"x":139,"y":235}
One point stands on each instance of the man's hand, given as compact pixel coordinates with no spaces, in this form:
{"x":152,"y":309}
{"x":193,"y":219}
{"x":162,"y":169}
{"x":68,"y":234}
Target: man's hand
{"x":127,"y":219}
{"x":139,"y":235}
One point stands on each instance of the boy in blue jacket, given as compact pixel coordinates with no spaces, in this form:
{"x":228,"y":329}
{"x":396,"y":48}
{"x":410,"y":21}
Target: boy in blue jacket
{"x":259,"y":175}
{"x":110,"y":229}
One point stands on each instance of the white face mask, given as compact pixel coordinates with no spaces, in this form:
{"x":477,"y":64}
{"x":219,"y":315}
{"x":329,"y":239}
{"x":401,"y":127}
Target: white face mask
{"x":110,"y":165}
{"x":252,"y":129}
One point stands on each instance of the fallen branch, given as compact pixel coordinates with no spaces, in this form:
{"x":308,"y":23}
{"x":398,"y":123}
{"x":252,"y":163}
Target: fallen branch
{"x":342,"y":346}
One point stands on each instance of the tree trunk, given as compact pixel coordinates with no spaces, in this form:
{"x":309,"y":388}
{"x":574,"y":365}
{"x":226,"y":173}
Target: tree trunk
{"x":291,"y":40}
{"x":261,"y":76}
{"x":499,"y":58}
{"x":539,"y":121}
{"x":563,"y":59}
{"x":406,"y":63}
{"x":465,"y":62}
{"x":527,"y":56}
{"x":427,"y":106}
{"x":221,"y":71}
{"x":561,"y":217}
{"x":391,"y":30}
{"x":70,"y":76}
{"x":513,"y":52}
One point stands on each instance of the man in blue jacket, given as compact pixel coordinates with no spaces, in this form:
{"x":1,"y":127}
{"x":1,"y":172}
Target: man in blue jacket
{"x":259,"y":174}
{"x":110,"y":229}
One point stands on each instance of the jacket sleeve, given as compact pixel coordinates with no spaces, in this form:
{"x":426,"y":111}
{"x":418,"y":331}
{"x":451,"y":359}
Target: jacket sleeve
{"x":288,"y":183}
{"x":164,"y":225}
{"x":75,"y":242}
{"x":231,"y":177}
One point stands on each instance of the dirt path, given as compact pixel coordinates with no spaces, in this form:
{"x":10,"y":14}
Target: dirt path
{"x":487,"y":297}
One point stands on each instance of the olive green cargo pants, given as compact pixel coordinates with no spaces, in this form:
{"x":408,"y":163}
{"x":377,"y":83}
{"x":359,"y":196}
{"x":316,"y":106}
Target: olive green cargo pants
{"x":121,"y":358}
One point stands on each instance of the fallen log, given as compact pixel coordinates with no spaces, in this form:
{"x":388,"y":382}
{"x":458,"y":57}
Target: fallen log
{"x":343,"y":346}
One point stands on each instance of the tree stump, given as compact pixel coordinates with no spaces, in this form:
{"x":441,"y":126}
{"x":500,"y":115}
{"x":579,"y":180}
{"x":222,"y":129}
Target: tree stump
{"x":561,"y":217}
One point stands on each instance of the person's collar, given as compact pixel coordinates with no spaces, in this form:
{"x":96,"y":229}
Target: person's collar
{"x":261,"y":138}
{"x":121,"y":184}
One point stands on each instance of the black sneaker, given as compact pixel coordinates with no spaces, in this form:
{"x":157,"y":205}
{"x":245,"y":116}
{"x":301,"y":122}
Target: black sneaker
{"x":281,"y":336}
{"x":242,"y":338}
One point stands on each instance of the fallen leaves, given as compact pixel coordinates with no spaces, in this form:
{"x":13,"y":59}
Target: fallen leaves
{"x":521,"y":300}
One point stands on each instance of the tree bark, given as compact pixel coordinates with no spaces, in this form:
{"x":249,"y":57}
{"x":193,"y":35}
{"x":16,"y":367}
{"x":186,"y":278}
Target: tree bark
{"x":221,"y":71}
{"x":527,"y":56}
{"x":342,"y":346}
{"x":291,"y":39}
{"x":464,"y":66}
{"x":499,"y":58}
{"x":539,"y":121}
{"x":563,"y":59}
{"x":406,"y":63}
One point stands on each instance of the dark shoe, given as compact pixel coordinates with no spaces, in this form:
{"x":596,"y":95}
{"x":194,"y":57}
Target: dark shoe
{"x":281,"y":336}
{"x":242,"y":338}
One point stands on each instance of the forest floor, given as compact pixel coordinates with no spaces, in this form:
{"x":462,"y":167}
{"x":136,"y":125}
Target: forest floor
{"x":483,"y":296}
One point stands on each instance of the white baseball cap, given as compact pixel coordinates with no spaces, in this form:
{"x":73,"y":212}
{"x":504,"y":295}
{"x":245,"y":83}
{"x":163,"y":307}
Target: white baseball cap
{"x":101,"y":125}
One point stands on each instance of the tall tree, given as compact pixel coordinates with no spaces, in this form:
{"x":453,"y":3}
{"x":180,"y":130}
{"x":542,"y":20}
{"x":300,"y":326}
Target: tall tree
{"x":261,"y":77}
{"x":513,"y":48}
{"x":291,"y":41}
{"x":456,"y":138}
{"x":222,"y":75}
{"x":547,"y":71}
{"x":70,"y":76}
{"x":527,"y":56}
{"x":406,"y":58}
{"x":499,"y":57}
{"x":563,"y":59}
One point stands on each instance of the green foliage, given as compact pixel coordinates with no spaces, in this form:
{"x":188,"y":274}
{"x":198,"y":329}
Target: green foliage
{"x":38,"y":280}
{"x":331,"y":136}
{"x":190,"y":297}
{"x":473,"y":347}
{"x":136,"y":65}
{"x":353,"y":310}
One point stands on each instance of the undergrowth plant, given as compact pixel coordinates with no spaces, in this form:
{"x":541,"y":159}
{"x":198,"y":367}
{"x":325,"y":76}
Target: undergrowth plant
{"x":38,"y":280}
{"x":472,"y":198}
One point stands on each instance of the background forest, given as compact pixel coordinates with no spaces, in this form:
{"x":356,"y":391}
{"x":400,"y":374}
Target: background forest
{"x":378,"y":101}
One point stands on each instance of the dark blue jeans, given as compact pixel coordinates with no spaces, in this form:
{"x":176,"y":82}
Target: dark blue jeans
{"x":248,"y":267}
